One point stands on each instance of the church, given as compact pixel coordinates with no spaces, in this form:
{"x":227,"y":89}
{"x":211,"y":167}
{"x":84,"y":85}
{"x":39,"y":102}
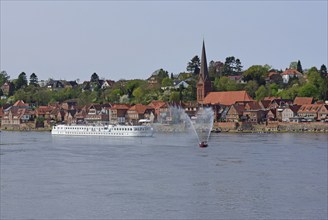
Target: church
{"x":217,"y":100}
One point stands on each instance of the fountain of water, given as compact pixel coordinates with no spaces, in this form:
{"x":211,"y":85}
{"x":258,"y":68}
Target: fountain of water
{"x":201,"y":124}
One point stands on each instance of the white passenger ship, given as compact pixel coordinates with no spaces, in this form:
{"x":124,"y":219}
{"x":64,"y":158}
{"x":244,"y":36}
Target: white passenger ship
{"x":104,"y":130}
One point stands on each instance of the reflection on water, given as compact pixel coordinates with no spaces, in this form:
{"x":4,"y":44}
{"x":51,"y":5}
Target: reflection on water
{"x":239,"y":176}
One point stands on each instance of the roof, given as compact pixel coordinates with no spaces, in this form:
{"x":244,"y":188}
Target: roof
{"x":291,"y":72}
{"x":309,"y":108}
{"x":141,"y":109}
{"x":156,"y":104}
{"x":303,"y":100}
{"x":239,"y":108}
{"x":227,"y":98}
{"x":20,"y":103}
{"x":121,"y":106}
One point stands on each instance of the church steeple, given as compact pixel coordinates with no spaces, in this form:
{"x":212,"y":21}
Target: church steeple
{"x":203,"y":64}
{"x":204,"y":82}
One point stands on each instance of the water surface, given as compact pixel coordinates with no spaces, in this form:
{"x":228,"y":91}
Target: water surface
{"x":239,"y":176}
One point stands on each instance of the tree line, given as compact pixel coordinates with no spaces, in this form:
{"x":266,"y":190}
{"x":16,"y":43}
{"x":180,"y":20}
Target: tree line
{"x":312,"y":83}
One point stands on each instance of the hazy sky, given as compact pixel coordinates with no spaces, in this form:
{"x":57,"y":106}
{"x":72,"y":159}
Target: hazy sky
{"x":131,"y":39}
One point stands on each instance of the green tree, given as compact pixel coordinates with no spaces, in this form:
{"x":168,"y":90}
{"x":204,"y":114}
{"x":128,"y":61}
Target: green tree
{"x":174,"y":96}
{"x":251,"y":87}
{"x":323,"y":71}
{"x":166,"y":82}
{"x":94,"y":78}
{"x":3,"y":77}
{"x":228,"y":68}
{"x":193,"y":65}
{"x":225,"y":84}
{"x":21,"y":82}
{"x":261,"y":92}
{"x":138,"y":93}
{"x":274,"y":88}
{"x":290,"y":93}
{"x":309,"y":90}
{"x":256,"y":73}
{"x":299,"y":67}
{"x":34,"y":79}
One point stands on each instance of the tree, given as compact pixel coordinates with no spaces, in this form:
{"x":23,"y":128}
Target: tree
{"x":299,"y":66}
{"x":4,"y":77}
{"x":251,"y":87}
{"x":174,"y":96}
{"x":94,"y":78}
{"x":193,"y":65}
{"x":323,"y":71}
{"x":225,"y":84}
{"x":228,"y":68}
{"x":138,"y":93}
{"x":21,"y":82}
{"x":238,"y":67}
{"x":33,"y":79}
{"x":261,"y":92}
{"x":257,"y":73}
{"x":309,"y":90}
{"x":166,"y":82}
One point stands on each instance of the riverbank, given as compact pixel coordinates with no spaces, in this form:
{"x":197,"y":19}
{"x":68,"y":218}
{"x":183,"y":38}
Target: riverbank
{"x":232,"y":127}
{"x":229,"y":127}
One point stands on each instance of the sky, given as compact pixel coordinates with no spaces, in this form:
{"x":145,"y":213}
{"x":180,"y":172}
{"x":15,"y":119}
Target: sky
{"x":71,"y":40}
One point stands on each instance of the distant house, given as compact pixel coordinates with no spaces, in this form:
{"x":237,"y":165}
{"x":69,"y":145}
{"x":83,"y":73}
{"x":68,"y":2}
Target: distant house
{"x":289,"y":74}
{"x":70,"y":84}
{"x":309,"y":112}
{"x":16,"y":117}
{"x":237,"y":79}
{"x":289,"y":112}
{"x":7,"y":88}
{"x":139,"y":111}
{"x":190,"y":108}
{"x":178,"y":83}
{"x":235,"y":113}
{"x":220,"y":101}
{"x":55,"y":85}
{"x":96,"y":114}
{"x":107,"y":84}
{"x":274,"y":77}
{"x":157,"y":105}
{"x":117,"y":114}
{"x":322,"y":113}
{"x":271,"y":115}
{"x":69,"y":104}
{"x":253,"y":112}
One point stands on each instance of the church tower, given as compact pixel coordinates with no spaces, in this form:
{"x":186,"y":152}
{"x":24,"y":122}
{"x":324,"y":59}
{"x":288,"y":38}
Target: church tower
{"x":204,"y":82}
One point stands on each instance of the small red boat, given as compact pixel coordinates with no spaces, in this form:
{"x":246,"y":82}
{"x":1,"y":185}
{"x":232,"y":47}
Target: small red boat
{"x":203,"y":144}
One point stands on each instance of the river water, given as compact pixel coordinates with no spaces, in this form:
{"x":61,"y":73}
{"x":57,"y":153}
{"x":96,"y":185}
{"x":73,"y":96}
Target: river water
{"x":239,"y":176}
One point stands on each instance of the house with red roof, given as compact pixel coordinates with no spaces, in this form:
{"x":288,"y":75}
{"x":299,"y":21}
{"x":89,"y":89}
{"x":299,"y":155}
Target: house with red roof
{"x":289,"y":74}
{"x":139,"y":111}
{"x":309,"y":112}
{"x":235,"y":113}
{"x":226,"y":98}
{"x":117,"y":114}
{"x":323,"y":113}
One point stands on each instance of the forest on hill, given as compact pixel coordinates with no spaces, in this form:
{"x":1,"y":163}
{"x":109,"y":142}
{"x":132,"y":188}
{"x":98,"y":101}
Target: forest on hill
{"x":258,"y":80}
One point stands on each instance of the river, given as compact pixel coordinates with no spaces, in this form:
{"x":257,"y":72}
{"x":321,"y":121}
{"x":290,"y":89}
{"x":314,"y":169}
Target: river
{"x":239,"y":176}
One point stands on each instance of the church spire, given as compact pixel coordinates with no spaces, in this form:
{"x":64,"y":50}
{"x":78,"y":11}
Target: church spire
{"x":203,"y":64}
{"x":204,"y":82}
